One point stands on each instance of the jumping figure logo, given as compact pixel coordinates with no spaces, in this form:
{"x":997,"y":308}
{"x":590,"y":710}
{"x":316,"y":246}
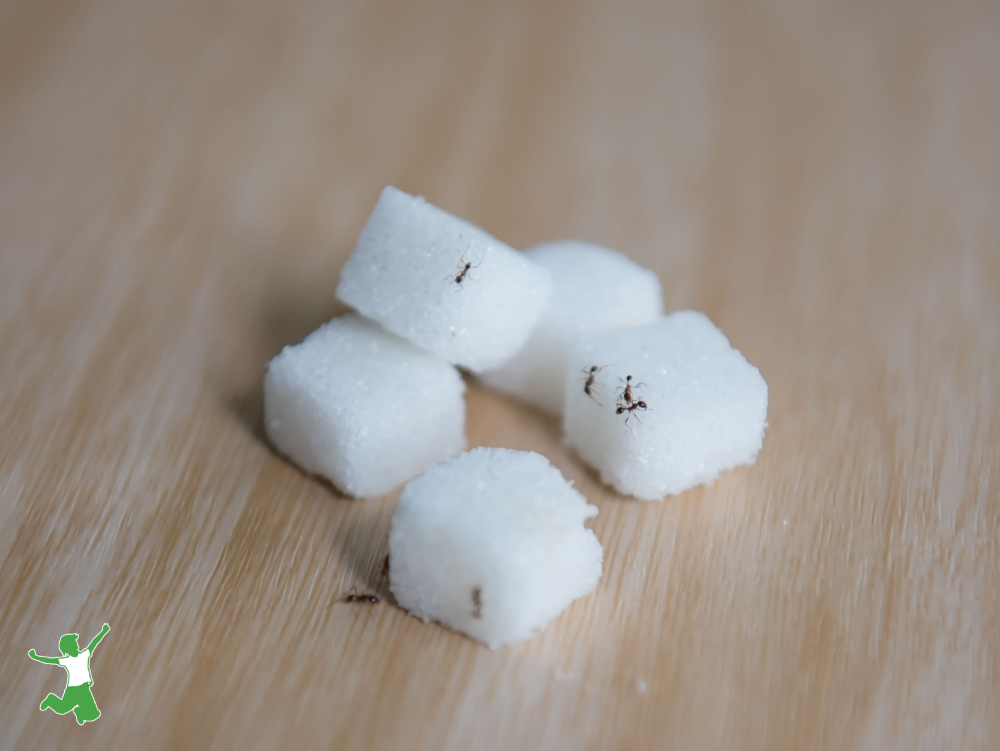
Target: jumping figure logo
{"x":77,"y":697}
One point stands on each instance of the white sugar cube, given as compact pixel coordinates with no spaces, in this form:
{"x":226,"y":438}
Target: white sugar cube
{"x":594,"y":289}
{"x":443,"y":283}
{"x":362,"y":407}
{"x":492,"y":544}
{"x":705,"y":406}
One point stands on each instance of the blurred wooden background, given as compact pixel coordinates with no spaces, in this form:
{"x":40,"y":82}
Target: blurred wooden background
{"x":180,"y":183}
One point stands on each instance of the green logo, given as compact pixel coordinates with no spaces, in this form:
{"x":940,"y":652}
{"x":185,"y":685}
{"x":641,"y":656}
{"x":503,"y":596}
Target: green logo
{"x":77,"y":697}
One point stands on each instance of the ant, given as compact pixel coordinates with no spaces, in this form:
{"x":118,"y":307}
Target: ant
{"x":385,"y":565}
{"x":460,"y":276}
{"x":353,"y":596}
{"x":626,"y":394}
{"x":588,"y":387}
{"x":477,"y":600}
{"x":631,"y":408}
{"x":463,"y":270}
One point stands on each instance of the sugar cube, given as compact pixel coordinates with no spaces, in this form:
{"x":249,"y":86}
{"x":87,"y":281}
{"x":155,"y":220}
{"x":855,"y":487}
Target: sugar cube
{"x":492,"y":544}
{"x":594,"y":289}
{"x":705,"y":406}
{"x":443,"y":283}
{"x":362,"y":407}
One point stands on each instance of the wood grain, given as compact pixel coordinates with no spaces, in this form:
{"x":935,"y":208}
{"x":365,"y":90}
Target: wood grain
{"x":180,"y":183}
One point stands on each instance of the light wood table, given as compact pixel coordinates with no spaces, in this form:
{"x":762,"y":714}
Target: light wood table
{"x":180,"y":182}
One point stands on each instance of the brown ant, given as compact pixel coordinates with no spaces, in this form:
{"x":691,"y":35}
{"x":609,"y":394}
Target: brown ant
{"x":460,"y":276}
{"x":385,"y":565}
{"x":477,"y":601}
{"x":353,"y":596}
{"x":631,"y":408}
{"x":588,"y":387}
{"x":626,"y":394}
{"x":463,"y":270}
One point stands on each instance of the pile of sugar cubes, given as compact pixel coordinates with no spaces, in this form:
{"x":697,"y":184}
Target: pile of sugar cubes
{"x":492,"y":542}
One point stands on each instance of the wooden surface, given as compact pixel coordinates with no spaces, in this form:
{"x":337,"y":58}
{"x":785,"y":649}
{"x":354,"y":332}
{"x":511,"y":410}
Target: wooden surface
{"x":180,"y":183}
